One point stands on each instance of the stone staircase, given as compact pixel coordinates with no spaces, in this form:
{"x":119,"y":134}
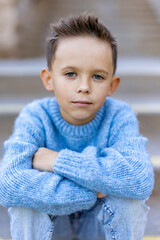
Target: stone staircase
{"x":134,"y":23}
{"x":137,"y":28}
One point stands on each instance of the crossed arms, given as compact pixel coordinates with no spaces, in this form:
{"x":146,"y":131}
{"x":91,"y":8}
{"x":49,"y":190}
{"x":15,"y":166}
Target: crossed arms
{"x":44,"y":160}
{"x":122,"y":169}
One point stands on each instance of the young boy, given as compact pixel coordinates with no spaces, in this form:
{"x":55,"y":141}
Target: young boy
{"x":76,"y":165}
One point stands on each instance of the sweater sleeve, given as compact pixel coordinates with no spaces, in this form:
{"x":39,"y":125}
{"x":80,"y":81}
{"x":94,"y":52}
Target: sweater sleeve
{"x":122,"y":168}
{"x":21,"y":185}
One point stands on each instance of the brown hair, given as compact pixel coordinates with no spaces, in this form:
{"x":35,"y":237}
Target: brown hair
{"x":83,"y":24}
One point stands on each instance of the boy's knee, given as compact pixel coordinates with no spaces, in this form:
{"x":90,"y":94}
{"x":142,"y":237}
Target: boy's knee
{"x":123,"y":218}
{"x":27,"y":221}
{"x":117,"y":203}
{"x":122,"y":208}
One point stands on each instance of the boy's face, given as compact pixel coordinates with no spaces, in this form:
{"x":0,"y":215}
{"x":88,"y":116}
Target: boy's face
{"x":81,"y":77}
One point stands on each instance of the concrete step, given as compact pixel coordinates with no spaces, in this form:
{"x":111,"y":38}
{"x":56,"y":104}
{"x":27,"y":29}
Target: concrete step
{"x":149,"y":127}
{"x":21,"y":79}
{"x":153,"y":223}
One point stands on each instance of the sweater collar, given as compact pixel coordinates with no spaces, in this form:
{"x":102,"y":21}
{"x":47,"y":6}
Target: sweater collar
{"x":70,"y":130}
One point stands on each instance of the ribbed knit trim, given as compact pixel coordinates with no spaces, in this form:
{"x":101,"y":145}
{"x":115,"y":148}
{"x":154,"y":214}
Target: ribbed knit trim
{"x":70,"y":130}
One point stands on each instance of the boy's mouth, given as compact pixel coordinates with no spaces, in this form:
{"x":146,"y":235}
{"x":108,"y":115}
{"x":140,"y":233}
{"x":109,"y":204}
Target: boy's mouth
{"x":81,"y":103}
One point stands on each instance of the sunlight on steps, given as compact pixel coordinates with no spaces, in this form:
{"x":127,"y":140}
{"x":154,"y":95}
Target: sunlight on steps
{"x":152,"y":238}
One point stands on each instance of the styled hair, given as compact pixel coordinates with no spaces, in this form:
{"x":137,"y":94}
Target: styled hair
{"x":73,"y":26}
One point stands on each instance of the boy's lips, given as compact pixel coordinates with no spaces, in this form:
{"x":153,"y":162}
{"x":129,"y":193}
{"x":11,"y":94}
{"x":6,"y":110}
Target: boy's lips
{"x":82,"y":103}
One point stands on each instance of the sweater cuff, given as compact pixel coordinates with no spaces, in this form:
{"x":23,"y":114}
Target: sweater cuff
{"x":67,"y":163}
{"x":75,"y":167}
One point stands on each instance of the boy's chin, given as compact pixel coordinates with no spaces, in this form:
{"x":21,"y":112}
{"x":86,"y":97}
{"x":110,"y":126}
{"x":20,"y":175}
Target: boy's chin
{"x":81,"y":120}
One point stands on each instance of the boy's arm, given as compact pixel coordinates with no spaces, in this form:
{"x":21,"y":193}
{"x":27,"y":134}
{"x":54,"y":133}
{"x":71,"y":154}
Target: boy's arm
{"x":44,"y":160}
{"x":123,"y":168}
{"x":21,"y":185}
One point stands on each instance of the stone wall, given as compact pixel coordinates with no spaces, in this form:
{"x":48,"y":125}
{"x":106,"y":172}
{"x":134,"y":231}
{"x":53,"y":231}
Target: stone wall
{"x":8,"y":24}
{"x":34,"y":17}
{"x":23,"y":26}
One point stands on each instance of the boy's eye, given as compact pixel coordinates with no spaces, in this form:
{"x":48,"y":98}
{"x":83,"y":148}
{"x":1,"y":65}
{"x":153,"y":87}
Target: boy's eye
{"x":98,"y":77}
{"x":70,"y":74}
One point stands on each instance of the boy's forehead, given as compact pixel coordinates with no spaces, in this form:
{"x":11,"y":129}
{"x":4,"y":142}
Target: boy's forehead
{"x":84,"y":49}
{"x":82,"y":43}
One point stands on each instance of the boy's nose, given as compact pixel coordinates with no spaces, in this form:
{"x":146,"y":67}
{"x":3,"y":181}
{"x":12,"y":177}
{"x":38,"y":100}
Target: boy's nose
{"x":84,"y":87}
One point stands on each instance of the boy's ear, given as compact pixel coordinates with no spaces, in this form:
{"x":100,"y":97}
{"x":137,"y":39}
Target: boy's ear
{"x":114,"y":84}
{"x":47,"y":80}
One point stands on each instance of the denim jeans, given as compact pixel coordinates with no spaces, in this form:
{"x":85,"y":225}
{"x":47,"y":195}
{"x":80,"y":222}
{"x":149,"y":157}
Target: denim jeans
{"x":110,"y":218}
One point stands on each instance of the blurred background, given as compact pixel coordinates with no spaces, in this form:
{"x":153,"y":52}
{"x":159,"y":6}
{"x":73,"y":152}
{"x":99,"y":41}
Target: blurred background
{"x":24,"y":25}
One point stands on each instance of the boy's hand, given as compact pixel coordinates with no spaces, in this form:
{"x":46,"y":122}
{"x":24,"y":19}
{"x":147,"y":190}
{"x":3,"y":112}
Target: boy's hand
{"x":44,"y":159}
{"x":100,"y":195}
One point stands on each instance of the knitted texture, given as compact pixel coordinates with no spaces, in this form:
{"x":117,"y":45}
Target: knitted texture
{"x":107,"y":155}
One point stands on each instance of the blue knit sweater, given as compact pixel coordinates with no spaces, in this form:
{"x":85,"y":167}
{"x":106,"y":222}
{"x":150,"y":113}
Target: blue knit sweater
{"x":106,"y":155}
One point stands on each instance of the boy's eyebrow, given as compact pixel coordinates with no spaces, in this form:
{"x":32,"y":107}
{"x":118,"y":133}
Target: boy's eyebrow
{"x":101,"y":70}
{"x":95,"y":70}
{"x":67,"y":67}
